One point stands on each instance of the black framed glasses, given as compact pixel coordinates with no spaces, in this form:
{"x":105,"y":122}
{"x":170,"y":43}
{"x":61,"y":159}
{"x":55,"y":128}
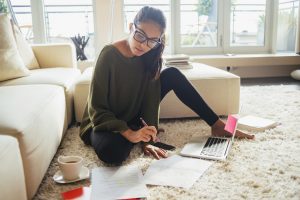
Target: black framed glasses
{"x":141,"y":37}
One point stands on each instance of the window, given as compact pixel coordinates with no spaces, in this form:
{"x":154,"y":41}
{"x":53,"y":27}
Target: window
{"x":247,"y":23}
{"x":193,"y":26}
{"x":217,"y":27}
{"x":224,"y":27}
{"x":65,"y":19}
{"x":23,"y":16}
{"x":198,"y":23}
{"x":60,"y":20}
{"x":287,"y":25}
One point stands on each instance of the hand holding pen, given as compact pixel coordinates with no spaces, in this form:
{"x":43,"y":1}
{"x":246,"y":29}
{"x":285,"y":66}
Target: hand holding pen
{"x":157,"y":152}
{"x":154,"y":139}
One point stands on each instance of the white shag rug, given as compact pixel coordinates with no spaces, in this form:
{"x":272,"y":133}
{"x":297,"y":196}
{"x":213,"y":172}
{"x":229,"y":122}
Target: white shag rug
{"x":265,"y":168}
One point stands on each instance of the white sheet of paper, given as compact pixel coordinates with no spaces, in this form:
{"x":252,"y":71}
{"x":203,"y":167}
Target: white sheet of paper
{"x":117,"y":183}
{"x":176,"y":171}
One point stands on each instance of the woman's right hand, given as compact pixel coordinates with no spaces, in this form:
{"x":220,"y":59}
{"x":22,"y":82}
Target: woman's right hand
{"x":144,"y":134}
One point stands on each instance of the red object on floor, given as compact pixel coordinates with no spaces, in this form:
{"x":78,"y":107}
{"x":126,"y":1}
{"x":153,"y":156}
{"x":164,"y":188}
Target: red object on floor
{"x":82,"y":193}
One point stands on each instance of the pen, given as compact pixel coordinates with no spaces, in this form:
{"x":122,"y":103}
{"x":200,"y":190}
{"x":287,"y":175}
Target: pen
{"x":145,"y":124}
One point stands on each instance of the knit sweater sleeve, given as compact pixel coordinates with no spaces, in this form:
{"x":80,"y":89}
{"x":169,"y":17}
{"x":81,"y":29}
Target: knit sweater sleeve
{"x":102,"y":118}
{"x":150,"y":105}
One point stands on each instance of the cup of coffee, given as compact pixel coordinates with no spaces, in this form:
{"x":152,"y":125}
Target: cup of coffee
{"x":70,"y":166}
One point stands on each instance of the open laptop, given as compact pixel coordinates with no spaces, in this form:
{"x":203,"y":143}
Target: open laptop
{"x":214,"y":148}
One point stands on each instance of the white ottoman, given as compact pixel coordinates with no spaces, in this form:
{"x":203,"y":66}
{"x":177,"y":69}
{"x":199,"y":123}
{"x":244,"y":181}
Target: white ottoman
{"x":81,"y":92}
{"x":220,"y":89}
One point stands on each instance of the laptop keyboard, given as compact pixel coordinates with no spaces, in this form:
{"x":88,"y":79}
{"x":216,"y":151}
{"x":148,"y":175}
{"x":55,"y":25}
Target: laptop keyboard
{"x":215,"y":147}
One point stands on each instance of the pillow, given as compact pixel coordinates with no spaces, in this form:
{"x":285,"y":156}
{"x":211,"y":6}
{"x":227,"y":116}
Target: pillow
{"x":11,"y":64}
{"x":296,"y":74}
{"x":24,"y":49}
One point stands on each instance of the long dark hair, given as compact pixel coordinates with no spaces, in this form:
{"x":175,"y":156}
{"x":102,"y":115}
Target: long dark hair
{"x":153,"y":59}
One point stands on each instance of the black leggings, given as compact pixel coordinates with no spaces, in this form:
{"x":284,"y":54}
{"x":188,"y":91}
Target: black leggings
{"x":113,"y":148}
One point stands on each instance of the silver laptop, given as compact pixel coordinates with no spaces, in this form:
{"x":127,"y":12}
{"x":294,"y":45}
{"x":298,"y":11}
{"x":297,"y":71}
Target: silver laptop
{"x":214,"y":148}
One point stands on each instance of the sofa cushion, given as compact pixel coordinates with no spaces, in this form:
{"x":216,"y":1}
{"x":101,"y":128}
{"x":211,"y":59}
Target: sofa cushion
{"x":35,"y":115}
{"x":21,"y":105}
{"x":55,"y":55}
{"x":11,"y":64}
{"x":24,"y":49}
{"x":12,"y":182}
{"x":64,"y":77}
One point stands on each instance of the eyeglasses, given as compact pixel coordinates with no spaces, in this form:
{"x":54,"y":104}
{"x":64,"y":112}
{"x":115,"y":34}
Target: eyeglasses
{"x":141,"y":37}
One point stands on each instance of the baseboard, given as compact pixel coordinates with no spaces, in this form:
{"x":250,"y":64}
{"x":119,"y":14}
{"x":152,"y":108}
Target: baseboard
{"x":263,"y":71}
{"x":253,"y":66}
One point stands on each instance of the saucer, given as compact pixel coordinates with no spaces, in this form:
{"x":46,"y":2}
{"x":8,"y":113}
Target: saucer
{"x":84,"y":174}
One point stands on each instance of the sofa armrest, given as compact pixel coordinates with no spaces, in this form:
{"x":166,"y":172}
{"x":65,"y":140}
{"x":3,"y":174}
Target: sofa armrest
{"x":55,"y":55}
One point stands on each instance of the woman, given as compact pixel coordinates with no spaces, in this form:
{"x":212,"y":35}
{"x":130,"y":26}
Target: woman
{"x":127,"y":85}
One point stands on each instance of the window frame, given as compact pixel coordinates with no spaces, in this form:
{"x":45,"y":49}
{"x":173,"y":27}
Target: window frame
{"x":223,"y":43}
{"x":198,"y":50}
{"x":223,"y":36}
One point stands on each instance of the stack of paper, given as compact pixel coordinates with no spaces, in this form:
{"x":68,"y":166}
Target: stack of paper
{"x":118,"y":183}
{"x":176,"y":171}
{"x":255,"y":123}
{"x":180,"y":61}
{"x":127,"y":182}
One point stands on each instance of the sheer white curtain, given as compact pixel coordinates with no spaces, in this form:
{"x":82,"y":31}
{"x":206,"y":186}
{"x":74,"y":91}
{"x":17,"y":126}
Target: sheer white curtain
{"x":11,"y":11}
{"x":112,"y":11}
{"x":297,"y":49}
{"x":108,"y":19}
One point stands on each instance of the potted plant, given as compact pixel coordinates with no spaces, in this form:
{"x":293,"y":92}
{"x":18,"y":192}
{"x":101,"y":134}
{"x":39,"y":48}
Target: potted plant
{"x":80,"y":43}
{"x":204,"y":7}
{"x":3,"y":6}
{"x":203,"y":10}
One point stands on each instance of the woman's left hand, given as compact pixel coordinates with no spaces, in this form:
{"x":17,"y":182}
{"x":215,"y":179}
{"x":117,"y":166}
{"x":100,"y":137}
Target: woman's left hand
{"x":156,"y":152}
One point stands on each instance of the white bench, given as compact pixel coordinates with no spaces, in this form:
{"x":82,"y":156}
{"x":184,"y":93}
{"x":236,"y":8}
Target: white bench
{"x":220,"y":89}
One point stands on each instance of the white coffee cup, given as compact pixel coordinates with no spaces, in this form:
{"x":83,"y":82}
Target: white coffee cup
{"x":70,"y":166}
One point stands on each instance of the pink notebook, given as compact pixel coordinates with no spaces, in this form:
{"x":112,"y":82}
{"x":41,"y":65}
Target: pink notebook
{"x":231,"y":123}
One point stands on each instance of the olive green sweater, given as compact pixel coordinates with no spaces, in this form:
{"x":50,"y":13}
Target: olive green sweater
{"x":120,"y":92}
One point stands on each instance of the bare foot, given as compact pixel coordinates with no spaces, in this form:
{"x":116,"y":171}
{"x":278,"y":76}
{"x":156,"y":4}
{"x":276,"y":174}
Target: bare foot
{"x":217,"y":129}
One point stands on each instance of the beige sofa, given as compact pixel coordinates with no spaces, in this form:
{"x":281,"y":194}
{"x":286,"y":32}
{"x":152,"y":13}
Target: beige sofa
{"x":12,"y":186}
{"x":36,"y":106}
{"x":220,"y":89}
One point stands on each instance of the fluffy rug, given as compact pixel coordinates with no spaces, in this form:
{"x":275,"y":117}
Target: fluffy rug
{"x":265,"y":168}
